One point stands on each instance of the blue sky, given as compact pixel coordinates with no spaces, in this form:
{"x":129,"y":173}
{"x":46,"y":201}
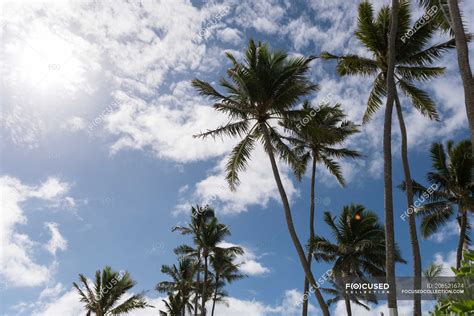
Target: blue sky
{"x":98,"y":163}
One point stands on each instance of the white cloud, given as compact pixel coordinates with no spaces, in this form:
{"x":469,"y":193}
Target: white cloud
{"x":74,"y":124}
{"x":69,"y":304}
{"x":57,"y":241}
{"x":230,"y":35}
{"x":167,"y":126}
{"x":257,"y":186}
{"x":447,"y":261}
{"x":450,"y":229}
{"x":263,"y":16}
{"x":17,"y":263}
{"x":248,"y":261}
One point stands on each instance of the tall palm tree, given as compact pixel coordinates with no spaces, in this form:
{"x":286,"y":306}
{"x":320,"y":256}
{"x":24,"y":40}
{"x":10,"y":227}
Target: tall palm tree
{"x":453,"y":178}
{"x":359,"y":248}
{"x":199,"y":216}
{"x":181,"y":284}
{"x":449,"y":18}
{"x":225,"y":271}
{"x":263,"y":90}
{"x":319,"y":141}
{"x":412,"y":61}
{"x":109,"y":287}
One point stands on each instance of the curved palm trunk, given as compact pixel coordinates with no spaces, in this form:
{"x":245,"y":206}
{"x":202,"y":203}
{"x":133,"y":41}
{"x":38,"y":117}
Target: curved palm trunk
{"x":387,"y":153}
{"x":214,"y":299}
{"x":415,"y":247}
{"x":203,"y":293}
{"x":290,"y":225}
{"x":462,"y":237}
{"x":463,"y":62}
{"x":311,"y":233}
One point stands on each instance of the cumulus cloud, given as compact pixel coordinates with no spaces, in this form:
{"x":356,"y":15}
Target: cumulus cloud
{"x":248,"y":261}
{"x":68,"y":304}
{"x":257,"y":186}
{"x":447,"y":261}
{"x":167,"y":127}
{"x":18,"y":265}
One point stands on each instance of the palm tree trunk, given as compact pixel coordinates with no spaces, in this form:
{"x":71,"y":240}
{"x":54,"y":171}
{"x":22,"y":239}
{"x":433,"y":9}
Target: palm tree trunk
{"x":387,"y":152}
{"x":203,"y":294}
{"x":196,"y":298}
{"x":462,"y":237}
{"x":415,"y":247}
{"x":214,"y":299}
{"x":311,"y":232}
{"x":463,"y":62}
{"x":348,"y":305}
{"x":290,"y":225}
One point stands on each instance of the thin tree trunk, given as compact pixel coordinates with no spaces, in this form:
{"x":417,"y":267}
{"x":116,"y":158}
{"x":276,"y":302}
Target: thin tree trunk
{"x":203,"y":294}
{"x":215,"y":295}
{"x":348,"y":305}
{"x":290,"y":225}
{"x":311,"y":231}
{"x":415,"y":247}
{"x":387,"y":152}
{"x":463,"y":62}
{"x":462,"y":234}
{"x":198,"y":278}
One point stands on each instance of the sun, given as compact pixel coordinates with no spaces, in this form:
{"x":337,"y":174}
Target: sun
{"x":43,"y":60}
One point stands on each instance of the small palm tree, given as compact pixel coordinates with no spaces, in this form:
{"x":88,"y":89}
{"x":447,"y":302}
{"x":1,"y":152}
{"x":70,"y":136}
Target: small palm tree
{"x":319,"y":142}
{"x":199,"y":216}
{"x":212,"y":234}
{"x":453,"y":181}
{"x":225,"y":271}
{"x":181,"y":284}
{"x":207,"y":234}
{"x":359,"y":248}
{"x":413,"y":62}
{"x":108,"y":289}
{"x":263,"y":91}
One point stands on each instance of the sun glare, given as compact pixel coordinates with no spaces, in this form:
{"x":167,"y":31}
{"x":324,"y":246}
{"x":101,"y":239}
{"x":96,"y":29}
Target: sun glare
{"x":44,"y":60}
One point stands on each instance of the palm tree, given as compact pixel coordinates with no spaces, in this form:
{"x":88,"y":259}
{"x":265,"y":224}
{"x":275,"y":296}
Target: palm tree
{"x":199,"y":216}
{"x":174,"y":305}
{"x":449,"y":18}
{"x":181,"y":283}
{"x":225,"y":271}
{"x":339,"y":293}
{"x":109,"y":287}
{"x":453,"y":181}
{"x":412,"y":61}
{"x":318,"y":142}
{"x":212,"y":234}
{"x":359,"y":248}
{"x":263,"y":89}
{"x":207,"y":235}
